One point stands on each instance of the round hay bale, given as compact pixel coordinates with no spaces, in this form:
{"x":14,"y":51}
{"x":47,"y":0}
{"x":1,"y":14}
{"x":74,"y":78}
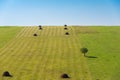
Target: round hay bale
{"x":65,"y":28}
{"x":66,"y":33}
{"x":34,"y":34}
{"x":65,"y":25}
{"x":65,"y":76}
{"x":7,"y":74}
{"x":40,"y":28}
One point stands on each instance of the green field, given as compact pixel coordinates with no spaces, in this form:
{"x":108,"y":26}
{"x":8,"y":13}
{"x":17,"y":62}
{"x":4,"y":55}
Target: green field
{"x":104,"y":46}
{"x":51,"y":53}
{"x":7,"y":33}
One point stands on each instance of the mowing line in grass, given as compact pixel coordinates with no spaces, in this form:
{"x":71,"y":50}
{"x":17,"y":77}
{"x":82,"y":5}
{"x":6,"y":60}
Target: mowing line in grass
{"x":46,"y":56}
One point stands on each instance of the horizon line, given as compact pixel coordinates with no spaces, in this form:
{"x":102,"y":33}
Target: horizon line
{"x":57,"y":25}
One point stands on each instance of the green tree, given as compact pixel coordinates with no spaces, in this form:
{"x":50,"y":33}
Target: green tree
{"x":84,"y":50}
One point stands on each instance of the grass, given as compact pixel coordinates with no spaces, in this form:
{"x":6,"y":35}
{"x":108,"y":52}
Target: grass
{"x":103,"y":43}
{"x":7,"y":33}
{"x":52,"y":53}
{"x":44,"y":57}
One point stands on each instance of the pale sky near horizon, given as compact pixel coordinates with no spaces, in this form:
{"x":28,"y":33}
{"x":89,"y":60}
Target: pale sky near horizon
{"x":59,"y":12}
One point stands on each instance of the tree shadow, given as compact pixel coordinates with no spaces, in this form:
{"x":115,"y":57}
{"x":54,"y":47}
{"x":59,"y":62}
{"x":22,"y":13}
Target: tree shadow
{"x":91,"y":56}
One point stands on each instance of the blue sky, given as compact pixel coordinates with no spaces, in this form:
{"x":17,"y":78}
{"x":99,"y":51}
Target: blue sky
{"x":59,"y":12}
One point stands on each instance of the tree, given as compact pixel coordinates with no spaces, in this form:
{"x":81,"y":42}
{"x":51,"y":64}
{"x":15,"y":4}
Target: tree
{"x":84,"y":50}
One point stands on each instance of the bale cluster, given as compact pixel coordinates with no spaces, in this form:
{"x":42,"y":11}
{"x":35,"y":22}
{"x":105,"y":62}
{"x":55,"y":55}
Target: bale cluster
{"x":65,"y":27}
{"x":40,"y":27}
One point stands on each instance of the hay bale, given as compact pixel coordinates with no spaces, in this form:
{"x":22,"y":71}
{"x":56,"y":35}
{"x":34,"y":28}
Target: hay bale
{"x":65,"y":76}
{"x":65,"y":25}
{"x":66,"y":33}
{"x":34,"y":34}
{"x":65,"y":28}
{"x":6,"y":74}
{"x":40,"y":28}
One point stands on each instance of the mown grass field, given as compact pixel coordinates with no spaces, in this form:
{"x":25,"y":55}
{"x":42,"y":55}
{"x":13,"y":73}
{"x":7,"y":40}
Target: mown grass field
{"x":7,"y":33}
{"x":43,"y":57}
{"x":51,"y":53}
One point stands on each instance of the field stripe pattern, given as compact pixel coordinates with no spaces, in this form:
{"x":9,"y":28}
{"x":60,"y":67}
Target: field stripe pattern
{"x":44,"y":57}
